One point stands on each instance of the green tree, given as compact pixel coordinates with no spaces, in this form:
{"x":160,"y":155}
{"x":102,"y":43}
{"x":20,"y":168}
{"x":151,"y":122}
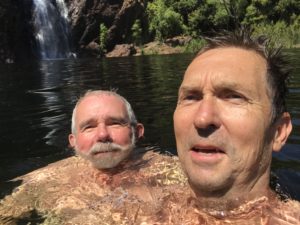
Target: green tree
{"x":183,"y":7}
{"x":164,"y":22}
{"x":103,"y":32}
{"x":206,"y":17}
{"x":235,"y":10}
{"x":285,"y":9}
{"x":136,"y":30}
{"x":263,"y":11}
{"x":279,"y":18}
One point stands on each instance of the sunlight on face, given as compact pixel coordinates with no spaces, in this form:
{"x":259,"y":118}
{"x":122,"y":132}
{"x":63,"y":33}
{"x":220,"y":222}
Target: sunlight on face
{"x":221,"y":120}
{"x":104,"y":134}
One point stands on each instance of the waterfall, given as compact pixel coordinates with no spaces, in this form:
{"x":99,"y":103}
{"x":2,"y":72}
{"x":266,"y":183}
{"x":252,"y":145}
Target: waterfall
{"x":52,"y":29}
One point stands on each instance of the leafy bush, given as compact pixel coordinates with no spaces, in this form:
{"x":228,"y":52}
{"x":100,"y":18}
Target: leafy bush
{"x":194,"y":45}
{"x":136,"y":30}
{"x":280,"y":33}
{"x":103,"y":31}
{"x":164,"y":22}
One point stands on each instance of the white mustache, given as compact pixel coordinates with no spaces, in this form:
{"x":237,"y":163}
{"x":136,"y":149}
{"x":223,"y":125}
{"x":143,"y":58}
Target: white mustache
{"x":105,"y":147}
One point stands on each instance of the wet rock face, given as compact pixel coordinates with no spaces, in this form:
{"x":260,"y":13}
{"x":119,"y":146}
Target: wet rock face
{"x":16,"y":36}
{"x":87,"y":15}
{"x":17,"y":41}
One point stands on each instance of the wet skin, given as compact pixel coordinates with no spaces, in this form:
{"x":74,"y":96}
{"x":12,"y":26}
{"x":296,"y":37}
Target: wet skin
{"x":222,"y":123}
{"x":102,"y":119}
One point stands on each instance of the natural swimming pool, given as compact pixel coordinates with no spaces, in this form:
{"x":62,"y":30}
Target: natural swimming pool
{"x":37,"y":100}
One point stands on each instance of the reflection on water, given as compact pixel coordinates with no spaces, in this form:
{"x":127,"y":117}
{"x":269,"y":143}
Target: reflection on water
{"x":37,"y":101}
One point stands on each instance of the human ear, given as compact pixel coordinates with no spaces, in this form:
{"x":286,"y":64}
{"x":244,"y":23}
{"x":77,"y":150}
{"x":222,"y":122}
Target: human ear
{"x":139,"y":130}
{"x":72,"y":140}
{"x":283,"y":130}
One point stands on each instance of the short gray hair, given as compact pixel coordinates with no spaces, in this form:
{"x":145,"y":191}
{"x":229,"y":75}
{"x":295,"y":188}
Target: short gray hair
{"x":131,"y":115}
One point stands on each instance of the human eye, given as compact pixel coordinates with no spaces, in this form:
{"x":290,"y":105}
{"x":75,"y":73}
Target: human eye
{"x":188,"y":97}
{"x":233,"y":96}
{"x":117,"y":122}
{"x":88,"y":127}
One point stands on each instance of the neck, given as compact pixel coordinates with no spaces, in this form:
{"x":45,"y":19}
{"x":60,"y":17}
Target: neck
{"x":217,"y":204}
{"x":236,"y":193}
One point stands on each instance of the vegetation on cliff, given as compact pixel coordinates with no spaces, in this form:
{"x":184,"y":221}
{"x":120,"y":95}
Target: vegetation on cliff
{"x":279,"y":19}
{"x":150,"y":25}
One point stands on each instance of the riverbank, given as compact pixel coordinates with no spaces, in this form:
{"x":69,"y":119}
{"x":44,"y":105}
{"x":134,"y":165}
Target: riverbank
{"x":175,"y":45}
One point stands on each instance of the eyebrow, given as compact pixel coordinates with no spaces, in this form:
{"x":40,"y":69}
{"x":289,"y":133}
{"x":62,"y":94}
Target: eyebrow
{"x":119,"y":119}
{"x":187,"y":89}
{"x":220,"y":85}
{"x":85,"y":123}
{"x":124,"y":121}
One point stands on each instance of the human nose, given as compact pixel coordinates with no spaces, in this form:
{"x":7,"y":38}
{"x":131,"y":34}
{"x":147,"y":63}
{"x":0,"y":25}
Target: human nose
{"x":207,"y":115}
{"x":103,"y":133}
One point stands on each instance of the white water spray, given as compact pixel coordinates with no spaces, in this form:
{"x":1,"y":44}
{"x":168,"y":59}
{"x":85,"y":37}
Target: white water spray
{"x":52,"y":29}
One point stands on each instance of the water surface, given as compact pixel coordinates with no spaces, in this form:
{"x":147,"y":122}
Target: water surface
{"x":37,"y":99}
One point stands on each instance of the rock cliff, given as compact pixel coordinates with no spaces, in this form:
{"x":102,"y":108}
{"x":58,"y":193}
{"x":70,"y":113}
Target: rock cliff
{"x":16,"y":36}
{"x":87,"y":15}
{"x":17,"y":41}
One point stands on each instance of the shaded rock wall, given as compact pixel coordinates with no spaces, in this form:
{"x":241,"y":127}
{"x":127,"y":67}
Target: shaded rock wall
{"x":117,"y":15}
{"x":17,"y":42}
{"x":16,"y":36}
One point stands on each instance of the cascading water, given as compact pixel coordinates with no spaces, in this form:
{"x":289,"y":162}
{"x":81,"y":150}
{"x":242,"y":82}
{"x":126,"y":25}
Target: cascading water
{"x":52,"y":29}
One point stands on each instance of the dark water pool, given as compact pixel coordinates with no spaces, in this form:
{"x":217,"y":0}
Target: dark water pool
{"x":36,"y":100}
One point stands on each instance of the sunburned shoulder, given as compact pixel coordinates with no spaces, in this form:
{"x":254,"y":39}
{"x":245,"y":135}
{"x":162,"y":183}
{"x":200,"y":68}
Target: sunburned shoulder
{"x":72,"y":185}
{"x":286,"y":213}
{"x":178,"y":206}
{"x":163,"y":169}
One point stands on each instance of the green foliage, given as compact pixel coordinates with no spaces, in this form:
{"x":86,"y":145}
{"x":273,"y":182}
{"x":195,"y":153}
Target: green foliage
{"x":194,"y":45}
{"x":201,"y":20}
{"x":183,"y":7}
{"x":103,"y":32}
{"x":136,"y":30}
{"x":278,"y":18}
{"x":254,"y":16}
{"x":280,"y":33}
{"x":164,"y":22}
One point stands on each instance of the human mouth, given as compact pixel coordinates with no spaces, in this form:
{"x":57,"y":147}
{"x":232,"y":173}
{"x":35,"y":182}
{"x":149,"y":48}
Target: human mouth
{"x":207,"y":150}
{"x":206,"y":154}
{"x":102,"y":152}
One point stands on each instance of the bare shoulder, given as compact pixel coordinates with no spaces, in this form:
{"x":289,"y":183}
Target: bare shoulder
{"x":163,"y":168}
{"x":287,"y":212}
{"x":59,"y":191}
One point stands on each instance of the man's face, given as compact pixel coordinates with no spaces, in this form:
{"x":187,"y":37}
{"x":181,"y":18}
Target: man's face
{"x":222,"y":119}
{"x":103,"y":131}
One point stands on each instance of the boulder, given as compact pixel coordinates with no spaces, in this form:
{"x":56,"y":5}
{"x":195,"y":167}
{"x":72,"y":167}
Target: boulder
{"x":92,"y":49}
{"x":178,"y":40}
{"x":122,"y":50}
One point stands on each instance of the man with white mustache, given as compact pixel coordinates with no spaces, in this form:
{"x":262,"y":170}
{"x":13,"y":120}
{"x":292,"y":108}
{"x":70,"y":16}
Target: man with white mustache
{"x":104,"y":129}
{"x":109,"y":181}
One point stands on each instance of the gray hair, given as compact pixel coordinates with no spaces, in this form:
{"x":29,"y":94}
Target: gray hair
{"x":131,"y":115}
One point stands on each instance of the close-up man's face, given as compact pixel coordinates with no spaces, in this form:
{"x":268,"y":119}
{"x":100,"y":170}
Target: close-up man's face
{"x":103,"y":134}
{"x":222,"y":119}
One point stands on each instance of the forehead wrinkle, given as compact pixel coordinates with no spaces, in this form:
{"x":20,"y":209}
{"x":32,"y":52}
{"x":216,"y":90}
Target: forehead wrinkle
{"x":234,"y":86}
{"x":121,"y":118}
{"x":217,"y":84}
